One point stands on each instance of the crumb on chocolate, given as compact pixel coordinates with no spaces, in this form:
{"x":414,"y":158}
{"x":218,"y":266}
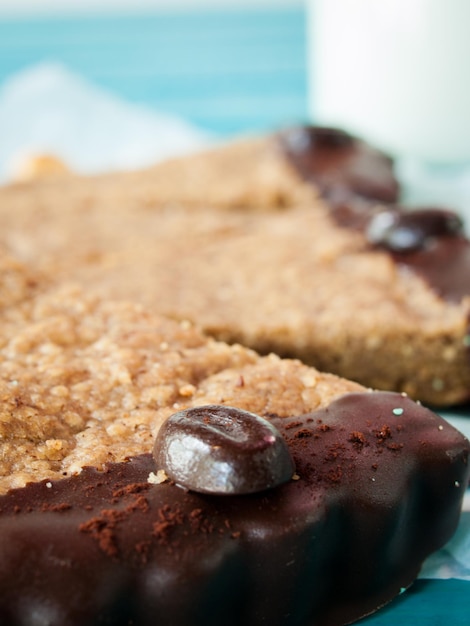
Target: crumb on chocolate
{"x":158,"y":478}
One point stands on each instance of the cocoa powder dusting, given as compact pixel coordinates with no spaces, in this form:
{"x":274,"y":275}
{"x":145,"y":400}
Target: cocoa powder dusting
{"x":58,"y":508}
{"x":102,"y":529}
{"x":384,"y":433}
{"x":358,"y":439}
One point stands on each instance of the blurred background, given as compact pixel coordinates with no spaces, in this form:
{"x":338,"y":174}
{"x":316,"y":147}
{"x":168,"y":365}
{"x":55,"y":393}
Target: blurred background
{"x":115,"y":84}
{"x":119,"y":84}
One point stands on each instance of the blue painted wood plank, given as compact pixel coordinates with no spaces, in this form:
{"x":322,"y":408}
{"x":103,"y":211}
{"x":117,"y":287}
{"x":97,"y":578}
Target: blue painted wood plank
{"x":226,"y":70}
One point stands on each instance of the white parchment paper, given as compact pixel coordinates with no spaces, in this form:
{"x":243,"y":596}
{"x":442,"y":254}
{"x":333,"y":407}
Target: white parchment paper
{"x":48,"y":109}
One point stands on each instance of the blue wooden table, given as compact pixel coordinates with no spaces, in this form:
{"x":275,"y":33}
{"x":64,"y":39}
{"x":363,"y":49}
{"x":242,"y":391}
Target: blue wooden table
{"x":227,"y":71}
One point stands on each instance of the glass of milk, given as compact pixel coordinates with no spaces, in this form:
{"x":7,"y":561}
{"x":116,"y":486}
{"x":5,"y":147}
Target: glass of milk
{"x":397,"y":73}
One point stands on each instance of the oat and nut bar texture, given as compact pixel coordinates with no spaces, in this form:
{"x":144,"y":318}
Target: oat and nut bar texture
{"x":275,"y":251}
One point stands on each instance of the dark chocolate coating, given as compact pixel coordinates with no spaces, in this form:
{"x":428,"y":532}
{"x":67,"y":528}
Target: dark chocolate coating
{"x":429,"y":241}
{"x":222,"y":450}
{"x":353,"y":178}
{"x":381,"y":480}
{"x":432,"y":243}
{"x":333,"y":159}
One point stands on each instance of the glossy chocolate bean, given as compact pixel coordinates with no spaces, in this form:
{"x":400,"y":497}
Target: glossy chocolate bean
{"x":222,"y":450}
{"x":405,"y":231}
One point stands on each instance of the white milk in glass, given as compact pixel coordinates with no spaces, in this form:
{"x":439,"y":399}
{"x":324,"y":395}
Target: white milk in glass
{"x":396,"y":72}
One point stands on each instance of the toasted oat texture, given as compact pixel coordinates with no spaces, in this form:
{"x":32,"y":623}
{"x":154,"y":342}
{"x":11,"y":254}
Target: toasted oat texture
{"x":234,"y":241}
{"x":84,"y":381}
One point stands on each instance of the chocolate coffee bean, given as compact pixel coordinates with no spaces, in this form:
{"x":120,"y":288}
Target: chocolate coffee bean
{"x":220,"y":449}
{"x":406,"y":231}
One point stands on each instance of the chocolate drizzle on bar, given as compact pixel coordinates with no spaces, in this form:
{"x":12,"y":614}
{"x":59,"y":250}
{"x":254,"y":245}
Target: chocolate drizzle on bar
{"x":362,"y":193}
{"x":108,"y":547}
